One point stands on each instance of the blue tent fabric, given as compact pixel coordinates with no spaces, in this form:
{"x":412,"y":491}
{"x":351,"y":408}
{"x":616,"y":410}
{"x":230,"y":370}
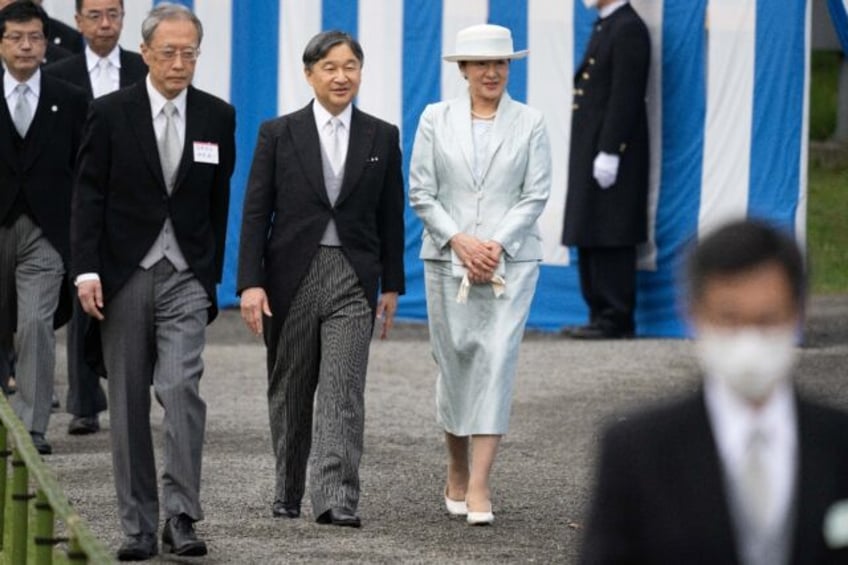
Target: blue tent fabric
{"x":405,"y":73}
{"x":839,"y":15}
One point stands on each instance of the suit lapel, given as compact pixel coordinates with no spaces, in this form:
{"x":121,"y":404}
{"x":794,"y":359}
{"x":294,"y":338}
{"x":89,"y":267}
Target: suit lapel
{"x":7,"y":129}
{"x":460,"y":120}
{"x":138,"y":111}
{"x":124,"y":72}
{"x":195,"y":118}
{"x":702,"y":481}
{"x":360,"y":142}
{"x":308,"y":148}
{"x":811,"y":486}
{"x":82,"y":69}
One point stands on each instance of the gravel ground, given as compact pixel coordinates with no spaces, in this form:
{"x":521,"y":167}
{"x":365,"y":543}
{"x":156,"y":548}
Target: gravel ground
{"x":565,"y":391}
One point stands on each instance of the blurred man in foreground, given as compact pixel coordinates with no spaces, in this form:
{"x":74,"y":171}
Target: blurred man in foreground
{"x":744,"y":471}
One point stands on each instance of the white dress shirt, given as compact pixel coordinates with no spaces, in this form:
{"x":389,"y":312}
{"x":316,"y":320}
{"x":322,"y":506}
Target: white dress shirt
{"x":92,"y":62}
{"x":608,"y":10}
{"x":9,"y":85}
{"x":322,"y":116}
{"x":733,"y":420}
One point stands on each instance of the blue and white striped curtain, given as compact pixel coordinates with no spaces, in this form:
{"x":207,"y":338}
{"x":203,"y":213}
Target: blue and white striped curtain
{"x":839,"y":15}
{"x":727,"y":100}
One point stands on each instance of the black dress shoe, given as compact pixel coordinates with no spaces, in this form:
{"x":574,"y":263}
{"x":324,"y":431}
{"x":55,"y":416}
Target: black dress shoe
{"x":138,"y":547}
{"x":339,"y":517}
{"x":84,"y":425}
{"x":597,"y":332}
{"x":40,"y":443}
{"x":282,"y":509}
{"x":179,"y":538}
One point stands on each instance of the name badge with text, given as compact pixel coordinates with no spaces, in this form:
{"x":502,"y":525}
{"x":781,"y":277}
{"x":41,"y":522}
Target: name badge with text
{"x":205,"y":152}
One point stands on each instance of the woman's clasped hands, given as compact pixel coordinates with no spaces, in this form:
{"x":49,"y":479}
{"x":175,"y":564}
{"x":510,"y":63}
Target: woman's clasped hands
{"x":480,"y":258}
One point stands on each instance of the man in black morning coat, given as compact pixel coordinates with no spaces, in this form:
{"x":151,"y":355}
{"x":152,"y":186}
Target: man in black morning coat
{"x":606,"y":205}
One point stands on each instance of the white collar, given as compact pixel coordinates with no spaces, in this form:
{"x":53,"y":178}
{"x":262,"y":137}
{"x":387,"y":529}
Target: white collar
{"x":10,"y":82}
{"x":92,"y":58}
{"x":322,"y":116}
{"x":608,"y":10}
{"x":733,"y":419}
{"x":158,"y":101}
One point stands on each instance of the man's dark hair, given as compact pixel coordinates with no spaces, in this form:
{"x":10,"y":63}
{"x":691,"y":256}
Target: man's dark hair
{"x":320,"y":45}
{"x":79,"y":4}
{"x":22,"y":11}
{"x":741,"y":246}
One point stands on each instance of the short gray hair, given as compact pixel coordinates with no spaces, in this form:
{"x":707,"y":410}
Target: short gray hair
{"x":168,"y":11}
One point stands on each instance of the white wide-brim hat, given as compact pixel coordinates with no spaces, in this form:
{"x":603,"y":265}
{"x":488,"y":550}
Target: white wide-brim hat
{"x":484,"y":42}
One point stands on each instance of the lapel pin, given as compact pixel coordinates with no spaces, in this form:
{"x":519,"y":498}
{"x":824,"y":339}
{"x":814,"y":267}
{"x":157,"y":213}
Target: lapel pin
{"x":54,"y":108}
{"x":373,"y":159}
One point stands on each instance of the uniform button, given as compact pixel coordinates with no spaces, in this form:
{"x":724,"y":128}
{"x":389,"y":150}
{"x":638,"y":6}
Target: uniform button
{"x":622,"y":147}
{"x":578,"y":92}
{"x":599,"y":27}
{"x":585,"y":76}
{"x":575,"y":106}
{"x":591,"y":60}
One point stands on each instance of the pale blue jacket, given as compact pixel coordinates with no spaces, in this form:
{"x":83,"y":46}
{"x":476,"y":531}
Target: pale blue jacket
{"x":513,"y":189}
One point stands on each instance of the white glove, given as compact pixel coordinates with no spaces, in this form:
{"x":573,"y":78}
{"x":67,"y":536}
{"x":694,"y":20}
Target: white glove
{"x":605,"y":169}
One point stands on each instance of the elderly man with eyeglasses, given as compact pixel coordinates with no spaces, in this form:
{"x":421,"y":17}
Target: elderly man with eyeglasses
{"x":148,"y":227}
{"x":40,"y":124}
{"x":102,"y":68}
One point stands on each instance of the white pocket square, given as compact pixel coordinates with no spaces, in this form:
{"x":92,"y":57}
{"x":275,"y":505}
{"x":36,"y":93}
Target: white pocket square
{"x":836,"y":525}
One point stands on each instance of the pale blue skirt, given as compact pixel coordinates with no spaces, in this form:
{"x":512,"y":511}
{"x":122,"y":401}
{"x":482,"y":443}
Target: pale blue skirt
{"x":476,"y":346}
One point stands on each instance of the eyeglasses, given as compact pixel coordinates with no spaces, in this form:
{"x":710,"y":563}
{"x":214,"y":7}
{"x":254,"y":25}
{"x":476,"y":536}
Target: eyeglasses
{"x":94,"y":16}
{"x":18,"y":38}
{"x":168,"y":54}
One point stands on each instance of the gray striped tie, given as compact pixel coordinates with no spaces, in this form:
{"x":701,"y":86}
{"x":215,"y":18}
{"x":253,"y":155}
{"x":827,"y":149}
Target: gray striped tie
{"x":170,"y":149}
{"x":22,"y":114}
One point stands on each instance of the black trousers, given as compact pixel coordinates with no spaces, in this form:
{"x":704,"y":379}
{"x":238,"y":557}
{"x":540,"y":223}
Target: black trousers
{"x":85,"y":395}
{"x":608,"y":285}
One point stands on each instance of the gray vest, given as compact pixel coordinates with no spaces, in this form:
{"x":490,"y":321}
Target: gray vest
{"x":333,"y":184}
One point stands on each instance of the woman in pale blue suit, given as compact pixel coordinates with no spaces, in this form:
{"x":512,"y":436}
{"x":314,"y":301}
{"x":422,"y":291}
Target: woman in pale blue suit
{"x":479,"y":179}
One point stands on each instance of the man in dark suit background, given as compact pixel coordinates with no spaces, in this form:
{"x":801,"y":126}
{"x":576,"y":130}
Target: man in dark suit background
{"x":744,"y":471}
{"x":40,"y":123}
{"x":322,"y":232}
{"x":148,"y":230}
{"x":606,"y":212}
{"x":62,"y":40}
{"x":102,"y":68}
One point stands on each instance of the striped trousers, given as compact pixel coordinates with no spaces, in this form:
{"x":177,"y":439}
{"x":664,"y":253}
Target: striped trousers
{"x":154,"y":334}
{"x":322,"y":358}
{"x":31,"y":271}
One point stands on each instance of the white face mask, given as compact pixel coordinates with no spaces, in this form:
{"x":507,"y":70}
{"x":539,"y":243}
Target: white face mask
{"x":590,"y":3}
{"x":751,"y":361}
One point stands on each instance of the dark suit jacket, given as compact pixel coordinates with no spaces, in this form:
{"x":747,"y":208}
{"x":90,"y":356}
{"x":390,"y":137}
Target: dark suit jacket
{"x":43,"y":170}
{"x":54,"y":53}
{"x":62,"y":35}
{"x":660,"y":496}
{"x":74,"y":69}
{"x":286,"y":209}
{"x":609,"y":115}
{"x":120,"y":200}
